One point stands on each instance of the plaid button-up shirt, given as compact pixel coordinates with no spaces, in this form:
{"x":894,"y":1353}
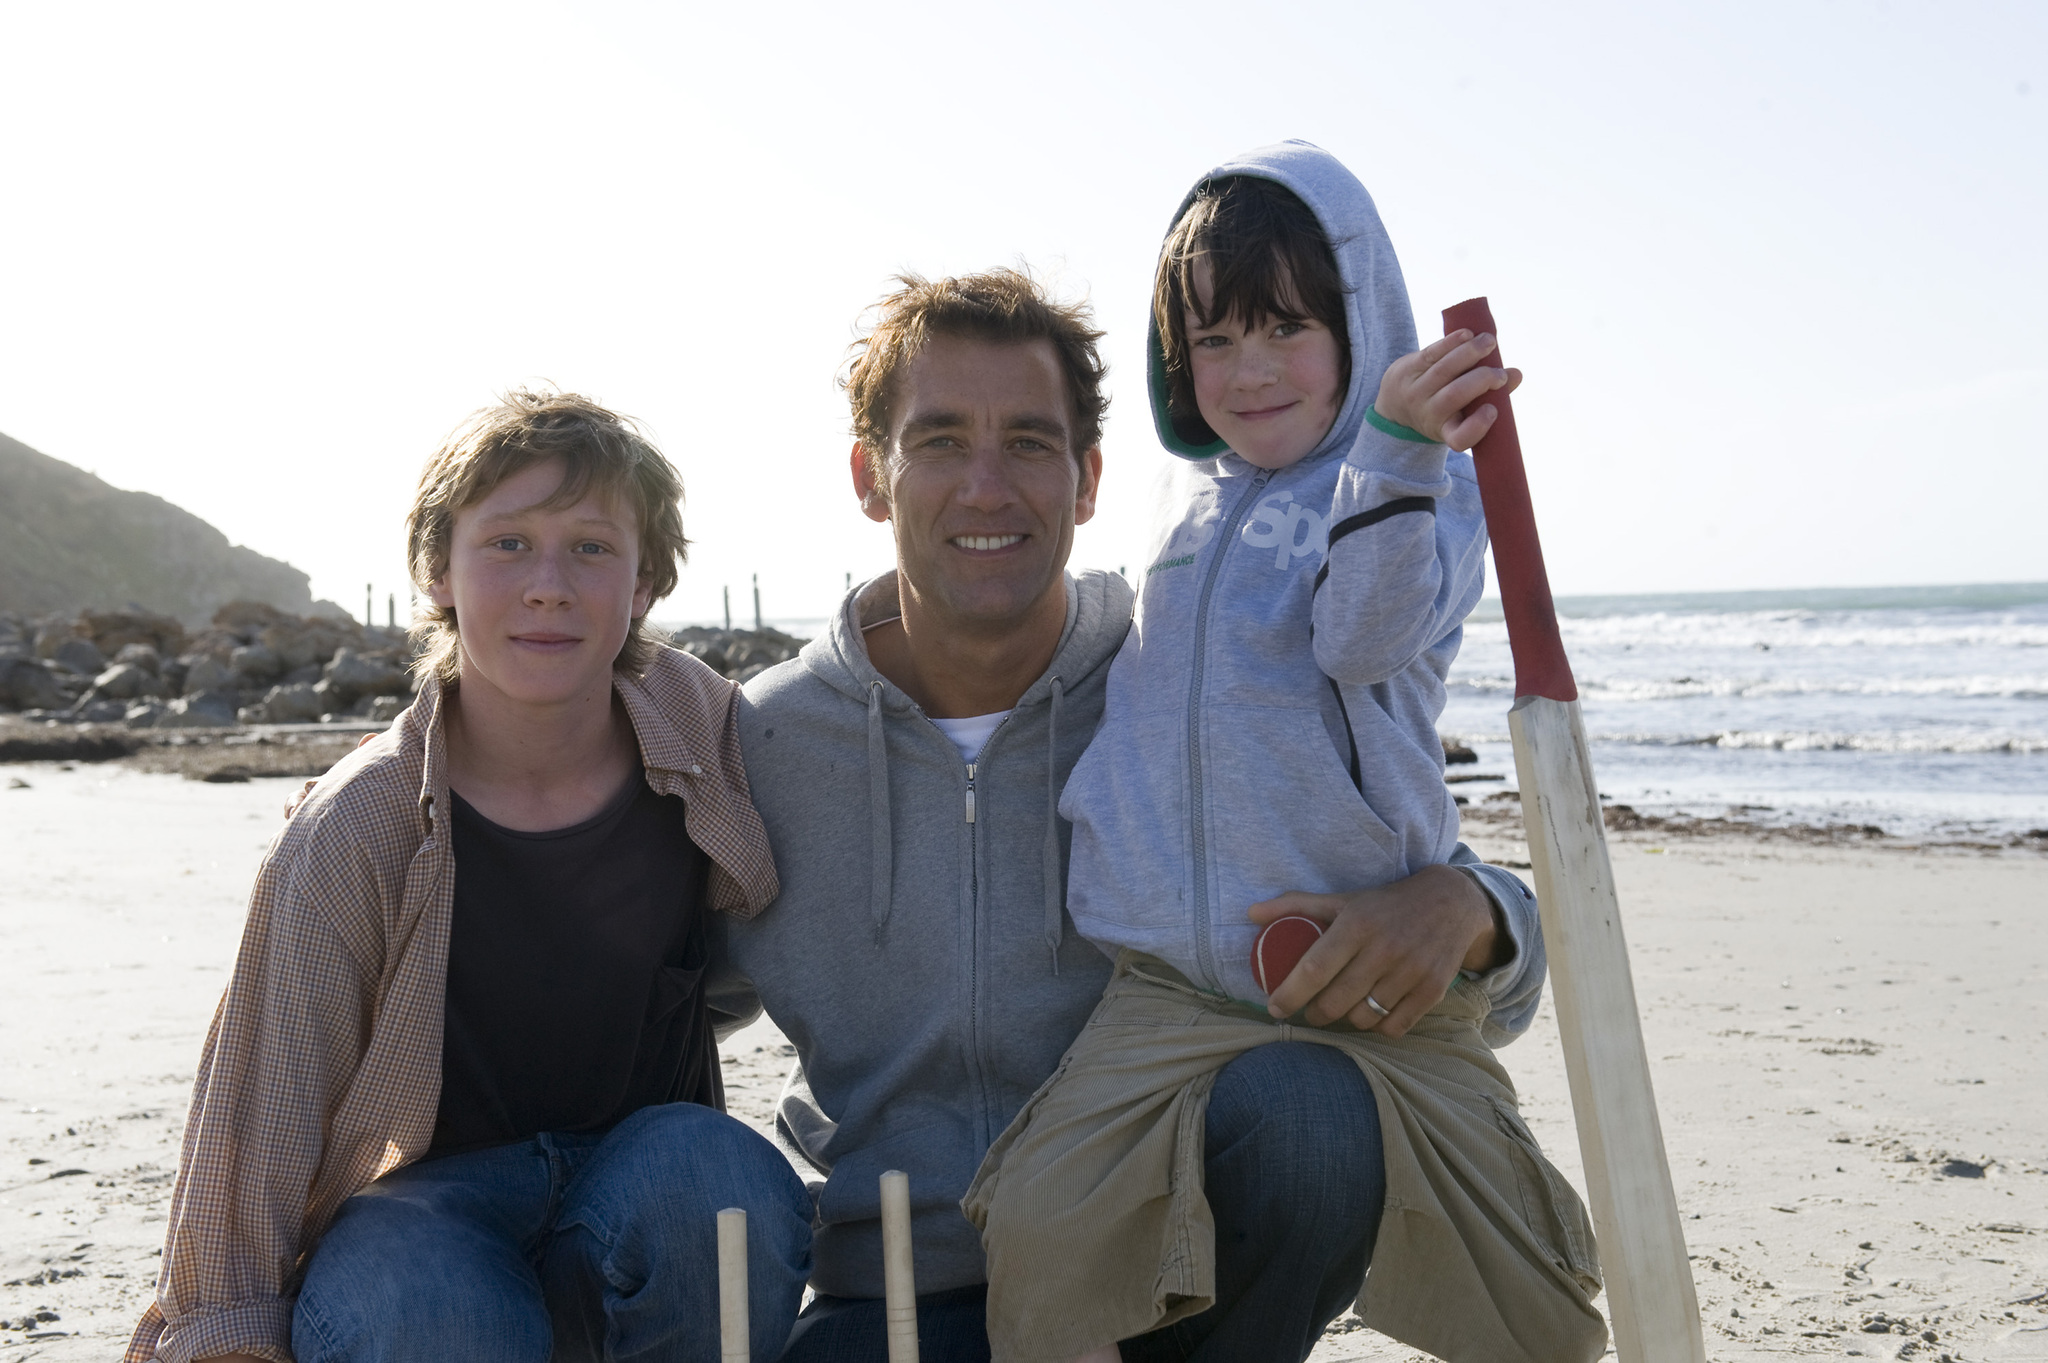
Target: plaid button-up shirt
{"x":322,"y":1069}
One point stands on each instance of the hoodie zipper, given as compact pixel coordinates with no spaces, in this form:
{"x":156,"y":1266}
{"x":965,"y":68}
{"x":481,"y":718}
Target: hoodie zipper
{"x":974,"y":1048}
{"x":1205,"y":951}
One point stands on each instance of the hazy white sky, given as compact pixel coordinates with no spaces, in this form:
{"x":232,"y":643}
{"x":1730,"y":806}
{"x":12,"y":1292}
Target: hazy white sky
{"x":1775,"y":271}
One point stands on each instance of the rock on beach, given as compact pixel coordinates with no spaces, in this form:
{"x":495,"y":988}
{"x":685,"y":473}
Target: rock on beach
{"x":740,"y":654}
{"x":254,"y":664}
{"x":144,"y":670}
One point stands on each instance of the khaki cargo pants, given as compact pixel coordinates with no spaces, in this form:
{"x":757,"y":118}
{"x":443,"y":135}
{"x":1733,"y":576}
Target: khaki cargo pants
{"x":1092,"y":1211}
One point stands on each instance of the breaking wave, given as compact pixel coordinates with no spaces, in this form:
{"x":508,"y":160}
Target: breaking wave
{"x":1835,"y":741}
{"x":1917,"y":713}
{"x":1758,"y":688}
{"x":1769,"y":630}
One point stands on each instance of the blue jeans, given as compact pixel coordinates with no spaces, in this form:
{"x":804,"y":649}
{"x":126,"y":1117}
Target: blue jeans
{"x":1296,"y":1180}
{"x":563,"y":1247}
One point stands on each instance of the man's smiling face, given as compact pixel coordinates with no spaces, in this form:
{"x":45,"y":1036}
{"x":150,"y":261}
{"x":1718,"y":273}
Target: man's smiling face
{"x":982,"y":480}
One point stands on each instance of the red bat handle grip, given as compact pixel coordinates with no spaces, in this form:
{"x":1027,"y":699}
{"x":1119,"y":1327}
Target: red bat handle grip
{"x":1541,"y":669}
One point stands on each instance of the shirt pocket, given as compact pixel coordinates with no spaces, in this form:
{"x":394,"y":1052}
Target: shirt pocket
{"x":674,"y":986}
{"x":677,"y":1057}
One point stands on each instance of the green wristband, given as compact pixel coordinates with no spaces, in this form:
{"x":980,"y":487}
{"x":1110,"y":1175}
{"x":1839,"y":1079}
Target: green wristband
{"x":1395,"y":428}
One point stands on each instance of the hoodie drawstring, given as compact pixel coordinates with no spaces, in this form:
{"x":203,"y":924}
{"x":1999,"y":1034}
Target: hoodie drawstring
{"x":881,"y":886}
{"x":1055,"y":928}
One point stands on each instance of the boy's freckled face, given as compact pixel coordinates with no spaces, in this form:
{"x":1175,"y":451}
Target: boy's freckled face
{"x":543,"y":596}
{"x":1270,"y":392}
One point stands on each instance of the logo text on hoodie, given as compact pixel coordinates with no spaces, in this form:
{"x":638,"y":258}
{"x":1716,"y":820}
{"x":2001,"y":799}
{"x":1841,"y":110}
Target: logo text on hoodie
{"x":1185,"y":538}
{"x":1288,"y":528}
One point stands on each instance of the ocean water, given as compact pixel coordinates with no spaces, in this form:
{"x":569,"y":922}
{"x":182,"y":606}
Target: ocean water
{"x":1923,"y":711}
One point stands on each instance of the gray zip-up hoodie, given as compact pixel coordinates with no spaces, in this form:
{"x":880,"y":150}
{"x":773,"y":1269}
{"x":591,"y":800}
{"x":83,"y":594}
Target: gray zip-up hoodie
{"x":918,"y":957}
{"x":1288,"y":620}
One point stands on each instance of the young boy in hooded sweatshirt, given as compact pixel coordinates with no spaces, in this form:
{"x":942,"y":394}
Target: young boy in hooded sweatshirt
{"x":1270,"y":728}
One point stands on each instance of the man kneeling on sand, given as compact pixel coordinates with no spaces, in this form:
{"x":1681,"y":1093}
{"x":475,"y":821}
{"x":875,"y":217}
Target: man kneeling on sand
{"x":461,"y":1099}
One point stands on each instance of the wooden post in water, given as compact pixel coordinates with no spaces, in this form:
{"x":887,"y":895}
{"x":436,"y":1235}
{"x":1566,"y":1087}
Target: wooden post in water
{"x":899,"y":1277}
{"x":733,"y":1343}
{"x":1650,"y":1295}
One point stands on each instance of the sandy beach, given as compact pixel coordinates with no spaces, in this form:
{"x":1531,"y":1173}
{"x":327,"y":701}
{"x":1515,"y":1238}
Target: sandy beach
{"x":1840,"y":1032}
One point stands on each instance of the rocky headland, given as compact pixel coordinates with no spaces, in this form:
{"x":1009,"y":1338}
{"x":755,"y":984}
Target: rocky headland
{"x":69,"y":540}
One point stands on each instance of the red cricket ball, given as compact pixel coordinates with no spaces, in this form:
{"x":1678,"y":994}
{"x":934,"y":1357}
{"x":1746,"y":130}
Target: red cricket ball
{"x":1280,"y":948}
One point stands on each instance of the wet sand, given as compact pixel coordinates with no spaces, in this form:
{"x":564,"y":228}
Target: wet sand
{"x":1846,"y":1042}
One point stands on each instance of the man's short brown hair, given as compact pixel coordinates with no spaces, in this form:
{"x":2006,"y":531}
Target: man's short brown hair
{"x":1267,"y":255}
{"x":994,"y":305}
{"x":598,"y":448}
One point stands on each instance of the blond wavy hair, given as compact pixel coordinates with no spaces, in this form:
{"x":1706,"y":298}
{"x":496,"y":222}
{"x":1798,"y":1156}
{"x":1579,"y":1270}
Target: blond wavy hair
{"x":598,"y":448}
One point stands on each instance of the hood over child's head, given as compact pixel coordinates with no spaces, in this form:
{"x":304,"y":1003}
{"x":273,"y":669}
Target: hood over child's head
{"x":1283,"y":232}
{"x":1246,"y":251}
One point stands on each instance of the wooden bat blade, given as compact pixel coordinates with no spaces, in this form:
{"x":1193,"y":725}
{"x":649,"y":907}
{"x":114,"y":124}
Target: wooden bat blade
{"x":1651,"y":1301}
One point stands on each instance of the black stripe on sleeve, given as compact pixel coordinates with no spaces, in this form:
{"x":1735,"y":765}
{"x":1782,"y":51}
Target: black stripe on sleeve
{"x":1353,"y":524}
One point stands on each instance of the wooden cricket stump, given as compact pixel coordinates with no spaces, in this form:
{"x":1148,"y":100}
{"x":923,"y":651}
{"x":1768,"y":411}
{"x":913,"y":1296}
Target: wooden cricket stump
{"x":899,"y":1278}
{"x":1651,"y":1299}
{"x":733,"y":1333}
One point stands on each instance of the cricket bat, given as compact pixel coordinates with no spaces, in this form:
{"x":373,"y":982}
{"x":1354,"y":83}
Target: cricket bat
{"x":1652,"y":1306}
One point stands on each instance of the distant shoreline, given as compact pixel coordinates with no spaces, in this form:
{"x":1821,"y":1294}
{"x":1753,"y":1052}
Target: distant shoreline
{"x":1956,"y":596}
{"x":1951,"y":596}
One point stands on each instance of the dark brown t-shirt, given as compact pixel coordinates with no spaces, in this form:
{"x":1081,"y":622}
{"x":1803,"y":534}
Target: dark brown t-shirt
{"x":575,"y":975}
